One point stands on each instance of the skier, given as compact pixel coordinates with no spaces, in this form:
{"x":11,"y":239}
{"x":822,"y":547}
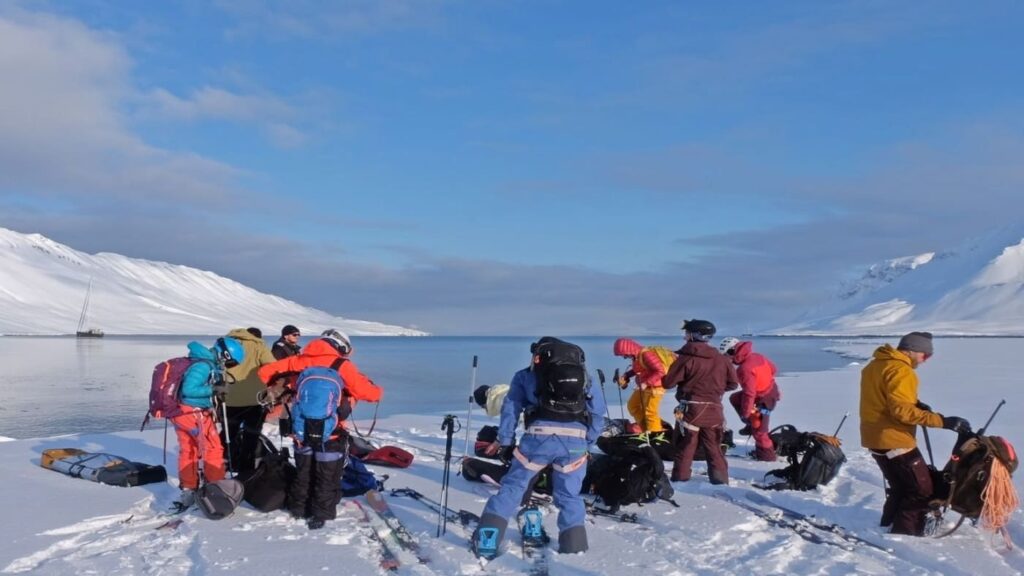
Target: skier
{"x":490,"y":398}
{"x":245,"y":414}
{"x":758,"y":396}
{"x":564,"y":416}
{"x":890,"y":413}
{"x":320,"y":462}
{"x":288,"y":344}
{"x":650,"y":364}
{"x":702,"y":376}
{"x":197,"y":434}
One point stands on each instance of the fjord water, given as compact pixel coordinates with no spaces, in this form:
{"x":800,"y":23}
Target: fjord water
{"x":64,"y":385}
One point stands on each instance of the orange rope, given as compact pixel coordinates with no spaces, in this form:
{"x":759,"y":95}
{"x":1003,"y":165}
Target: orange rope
{"x":999,"y":497}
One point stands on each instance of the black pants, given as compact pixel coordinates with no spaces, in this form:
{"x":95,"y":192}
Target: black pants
{"x":316,"y":491}
{"x":245,"y":424}
{"x":910,"y":490}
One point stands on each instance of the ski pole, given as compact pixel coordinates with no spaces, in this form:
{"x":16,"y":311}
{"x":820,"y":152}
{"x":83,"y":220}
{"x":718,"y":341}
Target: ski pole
{"x":928,"y":444}
{"x":841,"y":422}
{"x":990,"y":418}
{"x":448,"y":425}
{"x":615,"y":377}
{"x":600,"y":376}
{"x":469,"y":416}
{"x":227,"y":435}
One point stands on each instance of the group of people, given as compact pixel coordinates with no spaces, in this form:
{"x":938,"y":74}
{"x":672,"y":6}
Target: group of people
{"x":563,"y":416}
{"x":250,"y":378}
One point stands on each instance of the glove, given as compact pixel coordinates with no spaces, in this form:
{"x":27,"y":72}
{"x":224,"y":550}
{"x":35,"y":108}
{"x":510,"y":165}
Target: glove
{"x":506,"y":453}
{"x":492,"y":448}
{"x":923,"y":406}
{"x":623,"y":382}
{"x":764,"y":411}
{"x":956,"y":424}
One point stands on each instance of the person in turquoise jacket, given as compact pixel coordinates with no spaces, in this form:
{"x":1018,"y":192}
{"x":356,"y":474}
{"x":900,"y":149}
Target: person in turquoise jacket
{"x":195,"y":427}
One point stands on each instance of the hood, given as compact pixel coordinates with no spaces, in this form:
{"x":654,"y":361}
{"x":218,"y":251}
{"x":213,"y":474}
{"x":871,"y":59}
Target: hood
{"x":199,"y":351}
{"x":626,"y":347}
{"x":887,"y":352}
{"x":243,"y":335}
{"x":742,"y":351}
{"x":319,"y":348}
{"x":698,"y":349}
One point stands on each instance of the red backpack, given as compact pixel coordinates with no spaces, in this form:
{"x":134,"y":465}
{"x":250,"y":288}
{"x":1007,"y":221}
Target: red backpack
{"x":165,"y":389}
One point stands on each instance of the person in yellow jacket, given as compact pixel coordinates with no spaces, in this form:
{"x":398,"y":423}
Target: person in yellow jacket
{"x":245,"y":414}
{"x":890,"y":413}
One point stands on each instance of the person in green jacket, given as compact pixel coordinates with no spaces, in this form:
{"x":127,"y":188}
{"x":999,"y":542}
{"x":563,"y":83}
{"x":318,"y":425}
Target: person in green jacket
{"x":245,"y":414}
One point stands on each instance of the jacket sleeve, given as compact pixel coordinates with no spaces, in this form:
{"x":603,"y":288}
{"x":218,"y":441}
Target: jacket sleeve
{"x":512,"y":408}
{"x":196,"y":381}
{"x":731,"y":380}
{"x":285,"y":367}
{"x":596,"y":404}
{"x":675,"y":374}
{"x":358,"y":385}
{"x":748,"y":382}
{"x":901,"y":400}
{"x":656,"y":369}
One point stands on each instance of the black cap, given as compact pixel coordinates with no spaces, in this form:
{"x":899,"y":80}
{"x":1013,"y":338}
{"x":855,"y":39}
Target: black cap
{"x":480,"y":395}
{"x":289,"y":329}
{"x":255,"y":331}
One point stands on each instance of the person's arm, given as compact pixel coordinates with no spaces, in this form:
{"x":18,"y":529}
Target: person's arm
{"x":731,"y":379}
{"x":357,"y":385}
{"x":196,"y":381}
{"x":597,"y":406}
{"x":512,"y":407}
{"x":901,"y":400}
{"x":748,"y":383}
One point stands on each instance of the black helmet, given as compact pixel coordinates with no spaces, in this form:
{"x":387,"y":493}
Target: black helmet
{"x":701,"y":330}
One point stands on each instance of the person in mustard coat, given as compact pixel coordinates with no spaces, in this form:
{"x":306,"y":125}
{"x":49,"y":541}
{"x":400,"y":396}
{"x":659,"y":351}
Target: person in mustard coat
{"x":890,"y":413}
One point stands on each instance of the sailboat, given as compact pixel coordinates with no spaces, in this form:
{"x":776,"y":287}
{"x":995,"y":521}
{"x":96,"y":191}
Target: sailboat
{"x":91,"y":332}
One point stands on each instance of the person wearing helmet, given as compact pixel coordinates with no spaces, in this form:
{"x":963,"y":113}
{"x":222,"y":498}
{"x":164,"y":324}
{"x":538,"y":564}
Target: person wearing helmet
{"x":758,"y":394}
{"x":701,"y":376}
{"x":649,"y":366}
{"x":316,"y":491}
{"x":197,"y":435}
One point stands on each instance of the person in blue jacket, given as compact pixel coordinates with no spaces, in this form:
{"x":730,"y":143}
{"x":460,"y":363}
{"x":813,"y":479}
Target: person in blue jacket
{"x":560,"y":428}
{"x":195,"y":427}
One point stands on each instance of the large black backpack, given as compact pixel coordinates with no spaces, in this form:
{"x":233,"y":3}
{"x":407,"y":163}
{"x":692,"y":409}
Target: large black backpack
{"x":562,"y":384}
{"x":814,"y":460}
{"x":634,"y":477}
{"x":968,"y":473}
{"x":266,"y":486}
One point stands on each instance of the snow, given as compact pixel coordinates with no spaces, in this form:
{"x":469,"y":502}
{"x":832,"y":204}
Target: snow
{"x":973,"y":289}
{"x":43,"y":285}
{"x":66,"y":525}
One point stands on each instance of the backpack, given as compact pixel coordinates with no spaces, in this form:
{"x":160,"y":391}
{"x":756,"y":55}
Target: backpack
{"x":318,"y":392}
{"x":636,"y":477}
{"x":970,"y":471}
{"x":625,"y":443}
{"x":785,"y":439}
{"x":266,"y":486}
{"x":165,"y":388}
{"x":101,"y":467}
{"x":391,"y":456}
{"x":357,"y":480}
{"x":562,"y":384}
{"x":666,"y":356}
{"x":814,"y":460}
{"x":219,"y":499}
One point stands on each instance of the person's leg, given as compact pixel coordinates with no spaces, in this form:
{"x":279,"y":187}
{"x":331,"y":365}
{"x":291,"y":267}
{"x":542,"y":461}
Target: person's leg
{"x":187,"y":430}
{"x":718,"y":467}
{"x":686,"y":439}
{"x":570,"y":469}
{"x":651,"y":399}
{"x":912,"y":472}
{"x":251,"y":420}
{"x":893,"y":491}
{"x":299,"y":491}
{"x":211,"y":450}
{"x":500,"y":507}
{"x":635,"y":407}
{"x":328,"y":468}
{"x":764,"y":449}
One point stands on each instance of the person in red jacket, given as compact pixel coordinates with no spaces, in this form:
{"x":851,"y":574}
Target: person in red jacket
{"x":758,"y":395}
{"x":316,"y":490}
{"x":701,"y":376}
{"x":649,"y":366}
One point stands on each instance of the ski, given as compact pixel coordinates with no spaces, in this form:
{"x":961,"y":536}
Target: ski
{"x":800,"y":528}
{"x":399,"y":533}
{"x":534,"y":540}
{"x":830,"y":527}
{"x":379,"y":532}
{"x":463,"y":517}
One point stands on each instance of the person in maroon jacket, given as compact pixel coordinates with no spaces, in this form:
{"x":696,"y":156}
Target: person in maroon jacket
{"x":701,"y":376}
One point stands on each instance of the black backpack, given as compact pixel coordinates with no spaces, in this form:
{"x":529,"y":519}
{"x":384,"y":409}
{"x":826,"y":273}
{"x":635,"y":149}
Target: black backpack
{"x":635,"y":477}
{"x":785,"y":439}
{"x":266,"y":486}
{"x":562,"y":384}
{"x":814,"y":460}
{"x":969,"y":471}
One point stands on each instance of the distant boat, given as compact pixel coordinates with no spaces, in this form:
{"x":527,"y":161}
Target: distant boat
{"x":91,"y":332}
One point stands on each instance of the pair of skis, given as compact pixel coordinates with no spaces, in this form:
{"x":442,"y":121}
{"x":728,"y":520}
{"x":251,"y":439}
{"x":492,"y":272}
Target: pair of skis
{"x":810,"y":528}
{"x":397,"y":544}
{"x":464,"y":517}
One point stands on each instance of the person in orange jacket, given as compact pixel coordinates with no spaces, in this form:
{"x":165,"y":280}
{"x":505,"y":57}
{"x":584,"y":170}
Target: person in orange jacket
{"x":650,"y":364}
{"x":757,"y":396}
{"x":316,"y":490}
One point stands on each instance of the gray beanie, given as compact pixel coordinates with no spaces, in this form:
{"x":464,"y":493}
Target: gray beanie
{"x":917,"y":342}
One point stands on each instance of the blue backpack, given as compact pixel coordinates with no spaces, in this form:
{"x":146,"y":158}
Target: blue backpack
{"x":317,"y":399}
{"x":357,"y":479}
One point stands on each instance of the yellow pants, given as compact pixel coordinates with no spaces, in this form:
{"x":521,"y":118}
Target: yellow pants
{"x":644,"y":406}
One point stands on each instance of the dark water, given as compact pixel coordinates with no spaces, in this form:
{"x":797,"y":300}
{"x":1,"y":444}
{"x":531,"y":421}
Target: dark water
{"x":64,"y":385}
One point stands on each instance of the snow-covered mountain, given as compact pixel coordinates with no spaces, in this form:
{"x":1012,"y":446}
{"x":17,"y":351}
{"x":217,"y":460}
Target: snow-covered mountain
{"x":43,"y":285}
{"x":975,"y":289}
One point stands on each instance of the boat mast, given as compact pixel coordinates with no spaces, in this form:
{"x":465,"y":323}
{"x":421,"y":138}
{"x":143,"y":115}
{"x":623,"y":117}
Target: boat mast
{"x":85,"y":306}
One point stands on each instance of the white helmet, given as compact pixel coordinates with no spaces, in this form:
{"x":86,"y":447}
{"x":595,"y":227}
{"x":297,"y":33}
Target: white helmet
{"x":728,"y":345}
{"x":338,"y":339}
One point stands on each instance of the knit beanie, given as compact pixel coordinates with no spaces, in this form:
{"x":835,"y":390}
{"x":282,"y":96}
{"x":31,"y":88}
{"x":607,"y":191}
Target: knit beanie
{"x":917,"y":342}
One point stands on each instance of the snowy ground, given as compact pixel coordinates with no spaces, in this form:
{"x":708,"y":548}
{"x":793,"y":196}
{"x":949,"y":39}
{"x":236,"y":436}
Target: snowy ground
{"x":59,"y":525}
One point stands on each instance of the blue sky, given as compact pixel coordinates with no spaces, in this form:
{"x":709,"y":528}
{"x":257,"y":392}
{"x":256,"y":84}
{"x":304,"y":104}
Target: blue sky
{"x":515,"y":168}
